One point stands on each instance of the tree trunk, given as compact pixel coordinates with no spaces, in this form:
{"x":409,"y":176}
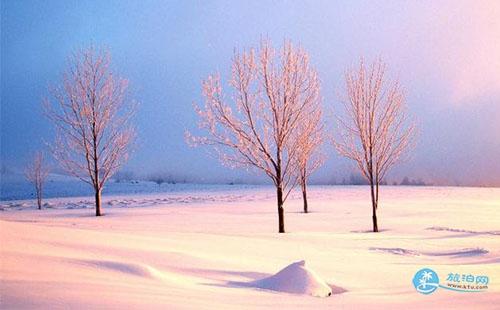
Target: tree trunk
{"x":304,"y":196}
{"x":39,"y":201}
{"x":98,"y":202}
{"x":374,"y":208}
{"x":281,"y":215}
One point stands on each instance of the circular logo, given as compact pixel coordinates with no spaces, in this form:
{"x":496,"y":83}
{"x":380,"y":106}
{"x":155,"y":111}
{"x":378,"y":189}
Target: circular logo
{"x":426,"y":281}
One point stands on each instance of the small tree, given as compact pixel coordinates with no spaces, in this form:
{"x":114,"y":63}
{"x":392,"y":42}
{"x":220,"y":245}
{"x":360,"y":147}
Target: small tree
{"x":36,"y":173}
{"x":310,"y":138}
{"x":158,"y":178}
{"x":92,"y":120}
{"x":375,"y":132}
{"x":271,"y":97}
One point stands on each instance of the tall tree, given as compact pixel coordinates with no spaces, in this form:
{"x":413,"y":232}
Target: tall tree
{"x":310,"y":138}
{"x":92,"y":120}
{"x":36,"y":173}
{"x":376,"y":131}
{"x":271,"y":92}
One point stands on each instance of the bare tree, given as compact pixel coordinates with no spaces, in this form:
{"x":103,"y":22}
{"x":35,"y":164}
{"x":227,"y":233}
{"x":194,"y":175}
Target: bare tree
{"x":92,"y":120}
{"x":310,"y":138}
{"x":376,"y":131}
{"x":36,"y":173}
{"x":271,"y":94}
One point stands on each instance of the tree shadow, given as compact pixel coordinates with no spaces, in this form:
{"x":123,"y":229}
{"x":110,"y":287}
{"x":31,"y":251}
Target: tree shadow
{"x":369,"y":231}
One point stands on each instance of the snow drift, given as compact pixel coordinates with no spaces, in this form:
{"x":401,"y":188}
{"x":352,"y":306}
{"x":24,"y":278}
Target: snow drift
{"x":295,"y":278}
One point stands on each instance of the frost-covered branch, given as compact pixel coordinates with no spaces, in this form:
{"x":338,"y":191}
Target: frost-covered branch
{"x":257,"y":125}
{"x":376,"y":131}
{"x":92,"y":120}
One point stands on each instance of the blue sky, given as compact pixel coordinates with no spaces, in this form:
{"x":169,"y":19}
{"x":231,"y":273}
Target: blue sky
{"x":446,"y":54}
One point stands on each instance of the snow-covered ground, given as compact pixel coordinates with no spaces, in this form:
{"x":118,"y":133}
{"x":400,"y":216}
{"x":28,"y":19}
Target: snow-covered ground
{"x":219,"y":249}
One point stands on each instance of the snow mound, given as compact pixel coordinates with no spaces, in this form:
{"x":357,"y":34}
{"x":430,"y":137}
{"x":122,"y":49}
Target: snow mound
{"x":296,"y":278}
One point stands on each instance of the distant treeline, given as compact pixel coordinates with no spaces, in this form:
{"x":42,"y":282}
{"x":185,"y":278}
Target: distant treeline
{"x":158,"y":178}
{"x":357,"y":179}
{"x":171,"y":178}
